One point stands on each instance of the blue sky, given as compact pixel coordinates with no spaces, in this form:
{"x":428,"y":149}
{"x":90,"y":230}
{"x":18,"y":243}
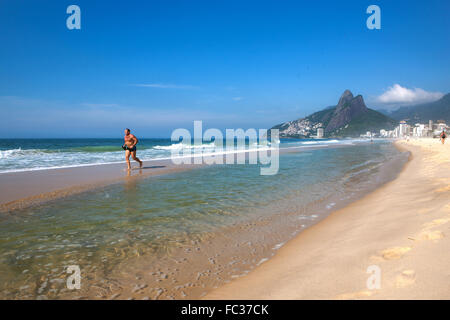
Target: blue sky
{"x":155,"y":66}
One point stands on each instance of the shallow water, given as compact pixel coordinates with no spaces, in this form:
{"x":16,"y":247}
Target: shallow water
{"x":179,"y":235}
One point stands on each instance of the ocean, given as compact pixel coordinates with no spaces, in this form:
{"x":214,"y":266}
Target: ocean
{"x":178,"y":235}
{"x":39,"y":154}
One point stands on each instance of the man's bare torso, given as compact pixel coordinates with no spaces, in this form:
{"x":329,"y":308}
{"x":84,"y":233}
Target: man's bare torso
{"x":130,"y":139}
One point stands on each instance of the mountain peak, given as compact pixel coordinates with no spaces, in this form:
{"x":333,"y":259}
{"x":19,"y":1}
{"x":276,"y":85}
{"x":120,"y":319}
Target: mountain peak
{"x":348,"y":108}
{"x":350,"y":117}
{"x":346,"y":97}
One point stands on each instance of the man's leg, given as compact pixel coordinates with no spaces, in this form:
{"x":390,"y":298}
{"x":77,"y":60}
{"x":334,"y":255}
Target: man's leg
{"x":127,"y":158}
{"x":133,"y":154}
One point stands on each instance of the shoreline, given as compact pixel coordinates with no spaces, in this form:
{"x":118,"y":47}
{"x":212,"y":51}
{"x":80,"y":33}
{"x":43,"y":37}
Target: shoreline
{"x":400,"y":227}
{"x":24,"y":189}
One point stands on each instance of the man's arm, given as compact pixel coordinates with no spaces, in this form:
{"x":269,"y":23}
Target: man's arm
{"x":135,"y":141}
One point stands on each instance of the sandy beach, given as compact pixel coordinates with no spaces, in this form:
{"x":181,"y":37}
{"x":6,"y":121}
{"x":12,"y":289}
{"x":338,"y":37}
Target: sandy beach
{"x":401,"y":229}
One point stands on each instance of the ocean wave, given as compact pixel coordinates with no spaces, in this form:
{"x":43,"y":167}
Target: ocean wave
{"x":211,"y":145}
{"x":322,"y":142}
{"x":14,"y":153}
{"x":73,"y":160}
{"x":95,"y":149}
{"x":180,"y":145}
{"x":8,"y":153}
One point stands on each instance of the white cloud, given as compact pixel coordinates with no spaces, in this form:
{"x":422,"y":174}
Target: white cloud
{"x":398,"y":95}
{"x":165,"y":86}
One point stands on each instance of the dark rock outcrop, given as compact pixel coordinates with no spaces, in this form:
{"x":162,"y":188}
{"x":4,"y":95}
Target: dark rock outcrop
{"x":346,"y":97}
{"x":348,"y":108}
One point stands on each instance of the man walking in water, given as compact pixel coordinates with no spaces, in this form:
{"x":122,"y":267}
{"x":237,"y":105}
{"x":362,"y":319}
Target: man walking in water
{"x":443,"y":136}
{"x":130,"y":148}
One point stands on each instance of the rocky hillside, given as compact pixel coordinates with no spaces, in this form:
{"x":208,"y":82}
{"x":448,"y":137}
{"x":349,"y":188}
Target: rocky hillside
{"x":349,"y":118}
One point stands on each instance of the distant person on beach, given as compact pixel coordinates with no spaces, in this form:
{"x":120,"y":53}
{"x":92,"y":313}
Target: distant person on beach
{"x":130,"y":148}
{"x":443,"y":136}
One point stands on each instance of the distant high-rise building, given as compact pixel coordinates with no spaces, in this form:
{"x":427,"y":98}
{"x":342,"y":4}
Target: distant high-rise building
{"x":430,"y":125}
{"x":419,"y":130}
{"x":319,"y":133}
{"x":404,"y":129}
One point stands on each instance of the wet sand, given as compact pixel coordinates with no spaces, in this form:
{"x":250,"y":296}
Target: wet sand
{"x":401,"y":229}
{"x":22,"y":189}
{"x":28,"y":188}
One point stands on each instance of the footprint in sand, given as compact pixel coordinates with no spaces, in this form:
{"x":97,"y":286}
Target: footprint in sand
{"x":394,"y":252}
{"x":405,"y":279}
{"x":436,"y":222}
{"x":431,"y":235}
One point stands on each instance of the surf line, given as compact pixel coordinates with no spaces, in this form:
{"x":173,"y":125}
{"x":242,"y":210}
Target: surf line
{"x":235,"y":151}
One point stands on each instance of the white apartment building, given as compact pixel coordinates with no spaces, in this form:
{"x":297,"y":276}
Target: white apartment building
{"x":404,"y":129}
{"x":419,"y":130}
{"x":319,"y":133}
